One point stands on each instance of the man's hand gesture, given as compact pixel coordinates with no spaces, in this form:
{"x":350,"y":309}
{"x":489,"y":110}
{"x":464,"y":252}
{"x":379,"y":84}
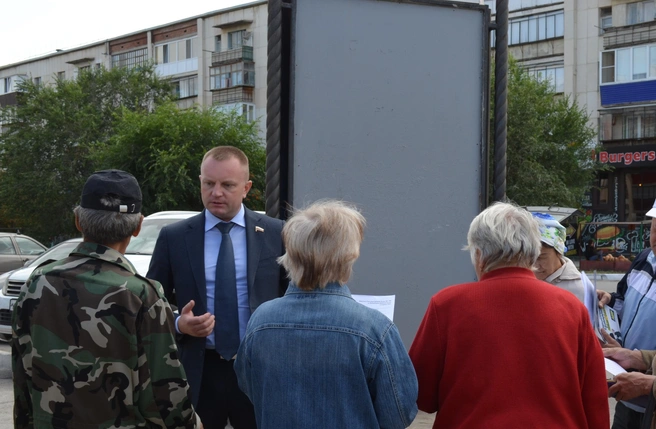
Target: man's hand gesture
{"x":196,"y":326}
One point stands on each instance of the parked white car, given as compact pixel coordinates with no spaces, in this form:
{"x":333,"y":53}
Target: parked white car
{"x":141,"y":247}
{"x":139,"y":252}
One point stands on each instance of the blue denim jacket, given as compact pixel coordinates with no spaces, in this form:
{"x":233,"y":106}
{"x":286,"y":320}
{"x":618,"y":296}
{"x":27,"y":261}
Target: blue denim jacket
{"x":318,"y":359}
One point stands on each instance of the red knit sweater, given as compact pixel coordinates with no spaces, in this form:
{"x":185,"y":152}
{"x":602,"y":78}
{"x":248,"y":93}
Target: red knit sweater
{"x":510,"y":351}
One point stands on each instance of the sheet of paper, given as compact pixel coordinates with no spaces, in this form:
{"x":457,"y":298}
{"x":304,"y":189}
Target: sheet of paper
{"x":613,"y":367}
{"x":382,"y":303}
{"x":590,"y":301}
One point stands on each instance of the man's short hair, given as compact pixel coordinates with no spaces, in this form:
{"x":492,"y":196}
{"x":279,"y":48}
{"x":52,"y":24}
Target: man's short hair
{"x":322,"y":242}
{"x":506,"y":236}
{"x":222,"y":153}
{"x":106,"y":227}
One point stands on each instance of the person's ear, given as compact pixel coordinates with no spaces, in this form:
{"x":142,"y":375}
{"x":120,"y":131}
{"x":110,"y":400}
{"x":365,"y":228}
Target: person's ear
{"x":138,"y":229}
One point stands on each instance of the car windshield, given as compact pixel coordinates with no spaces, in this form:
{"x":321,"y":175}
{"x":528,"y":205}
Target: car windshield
{"x":56,"y":253}
{"x":144,"y":243}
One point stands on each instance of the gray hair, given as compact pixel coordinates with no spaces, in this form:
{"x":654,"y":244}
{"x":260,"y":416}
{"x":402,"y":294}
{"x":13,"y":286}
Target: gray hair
{"x":106,"y":227}
{"x":322,"y":242}
{"x":504,"y":235}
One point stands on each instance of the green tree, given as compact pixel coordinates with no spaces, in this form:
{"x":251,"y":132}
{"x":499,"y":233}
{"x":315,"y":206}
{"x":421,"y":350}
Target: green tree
{"x":164,"y":149}
{"x":550,"y":144}
{"x":49,"y":137}
{"x":121,"y":118}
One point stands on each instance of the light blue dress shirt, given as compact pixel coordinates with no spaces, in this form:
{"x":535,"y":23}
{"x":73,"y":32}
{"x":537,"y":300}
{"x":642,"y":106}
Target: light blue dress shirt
{"x":212,"y":246}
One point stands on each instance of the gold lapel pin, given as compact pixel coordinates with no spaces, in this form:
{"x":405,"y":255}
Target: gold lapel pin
{"x":259,"y":229}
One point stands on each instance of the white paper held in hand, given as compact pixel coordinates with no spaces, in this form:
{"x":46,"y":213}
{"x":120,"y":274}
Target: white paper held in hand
{"x":613,"y":368}
{"x":382,"y":303}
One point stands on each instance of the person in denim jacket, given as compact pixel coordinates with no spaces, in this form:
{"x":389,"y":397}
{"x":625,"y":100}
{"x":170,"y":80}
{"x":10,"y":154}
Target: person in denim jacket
{"x":315,"y":358}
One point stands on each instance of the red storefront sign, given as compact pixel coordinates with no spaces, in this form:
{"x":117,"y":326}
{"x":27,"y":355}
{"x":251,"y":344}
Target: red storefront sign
{"x":627,"y":157}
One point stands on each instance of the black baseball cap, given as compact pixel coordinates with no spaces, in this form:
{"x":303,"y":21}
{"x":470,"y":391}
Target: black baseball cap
{"x":119,"y":190}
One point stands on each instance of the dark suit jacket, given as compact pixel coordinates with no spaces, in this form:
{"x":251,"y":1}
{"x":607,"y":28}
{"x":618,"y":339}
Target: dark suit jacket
{"x":178,"y":263}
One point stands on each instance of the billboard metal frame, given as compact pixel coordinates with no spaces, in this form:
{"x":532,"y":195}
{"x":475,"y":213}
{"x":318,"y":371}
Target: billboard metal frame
{"x":280,"y":101}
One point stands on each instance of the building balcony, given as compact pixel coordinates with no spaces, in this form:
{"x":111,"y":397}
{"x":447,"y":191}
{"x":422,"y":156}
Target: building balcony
{"x":617,"y":37}
{"x":621,"y":93}
{"x":629,"y":126}
{"x":243,"y":53}
{"x":239,"y":94}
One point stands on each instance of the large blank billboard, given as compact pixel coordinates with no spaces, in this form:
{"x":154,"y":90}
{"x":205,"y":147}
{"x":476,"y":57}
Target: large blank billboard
{"x":389,"y":111}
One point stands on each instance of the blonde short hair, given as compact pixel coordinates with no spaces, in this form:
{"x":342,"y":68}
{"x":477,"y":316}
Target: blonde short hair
{"x":504,"y":235}
{"x":322,"y":242}
{"x":222,"y":153}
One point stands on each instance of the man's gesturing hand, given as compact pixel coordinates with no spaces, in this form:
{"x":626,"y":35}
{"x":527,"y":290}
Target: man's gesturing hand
{"x":196,"y":326}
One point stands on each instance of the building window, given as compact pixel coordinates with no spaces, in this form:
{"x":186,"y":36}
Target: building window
{"x":555,"y":75}
{"x":248,"y":112}
{"x":37,"y":81}
{"x":187,"y":87}
{"x":237,"y":39}
{"x":537,"y":27}
{"x":638,"y":126}
{"x":607,"y":67}
{"x":217,"y":43}
{"x":238,"y":74}
{"x":638,"y":12}
{"x":520,"y":4}
{"x":605,"y":18}
{"x":628,"y":64}
{"x":6,"y":85}
{"x":189,"y":49}
{"x":61,"y":75}
{"x":130,"y":59}
{"x":603,"y":188}
{"x":172,"y":52}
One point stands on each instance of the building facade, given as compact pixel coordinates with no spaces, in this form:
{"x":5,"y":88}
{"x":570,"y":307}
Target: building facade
{"x":216,"y":59}
{"x":602,"y":53}
{"x":627,"y":112}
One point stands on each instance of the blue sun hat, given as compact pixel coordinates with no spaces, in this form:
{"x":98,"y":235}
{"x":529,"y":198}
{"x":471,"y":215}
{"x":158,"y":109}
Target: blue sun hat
{"x":551,"y":232}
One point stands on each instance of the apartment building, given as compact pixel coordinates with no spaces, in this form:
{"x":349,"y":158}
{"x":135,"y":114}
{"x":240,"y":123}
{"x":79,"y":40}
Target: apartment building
{"x":627,"y":108}
{"x":215,"y":59}
{"x":603,"y":54}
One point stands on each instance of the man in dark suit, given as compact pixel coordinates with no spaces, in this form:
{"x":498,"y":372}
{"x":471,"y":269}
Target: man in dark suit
{"x":218,"y":267}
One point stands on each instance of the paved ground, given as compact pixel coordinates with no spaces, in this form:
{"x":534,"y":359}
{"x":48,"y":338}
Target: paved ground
{"x":423,"y":420}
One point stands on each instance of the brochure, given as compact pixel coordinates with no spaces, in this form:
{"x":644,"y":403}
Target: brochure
{"x":609,"y":322}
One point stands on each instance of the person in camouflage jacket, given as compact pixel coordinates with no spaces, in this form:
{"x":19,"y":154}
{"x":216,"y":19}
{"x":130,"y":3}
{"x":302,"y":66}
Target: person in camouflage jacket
{"x":93,"y":343}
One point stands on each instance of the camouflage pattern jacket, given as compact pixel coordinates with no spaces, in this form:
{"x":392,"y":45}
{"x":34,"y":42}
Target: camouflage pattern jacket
{"x":93,"y":347}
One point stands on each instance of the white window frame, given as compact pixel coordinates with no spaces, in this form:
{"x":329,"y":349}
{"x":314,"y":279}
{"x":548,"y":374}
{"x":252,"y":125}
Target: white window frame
{"x":641,"y":12}
{"x":171,"y":52}
{"x":629,"y":53}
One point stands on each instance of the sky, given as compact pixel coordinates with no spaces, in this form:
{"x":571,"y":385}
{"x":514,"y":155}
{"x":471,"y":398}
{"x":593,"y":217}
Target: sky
{"x":32,"y":28}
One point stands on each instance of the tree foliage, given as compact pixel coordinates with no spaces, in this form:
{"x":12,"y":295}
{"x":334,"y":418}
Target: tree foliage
{"x":165,"y":148}
{"x":550,"y":144}
{"x":59,"y":134}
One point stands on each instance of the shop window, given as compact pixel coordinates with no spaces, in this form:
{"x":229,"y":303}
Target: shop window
{"x":603,"y":188}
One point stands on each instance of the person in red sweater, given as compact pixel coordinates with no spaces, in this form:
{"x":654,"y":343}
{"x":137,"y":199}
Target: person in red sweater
{"x":509,"y":351}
